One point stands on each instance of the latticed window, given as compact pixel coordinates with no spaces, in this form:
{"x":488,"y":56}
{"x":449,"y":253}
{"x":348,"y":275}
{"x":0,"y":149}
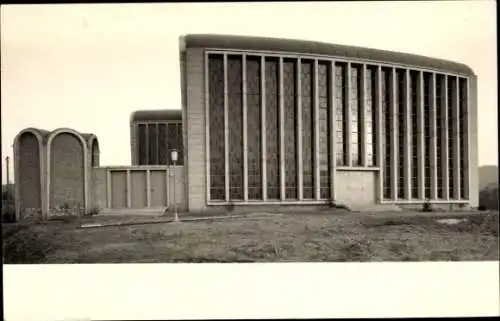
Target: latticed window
{"x":415,"y":134}
{"x":324,"y":129}
{"x":452,"y":134}
{"x":387,"y":119}
{"x":401,"y":115}
{"x":290,"y":125}
{"x":427,"y":134}
{"x":253,"y":81}
{"x":464,"y":128}
{"x":340,"y":139}
{"x":272,"y":129}
{"x":216,"y":123}
{"x":355,"y":115}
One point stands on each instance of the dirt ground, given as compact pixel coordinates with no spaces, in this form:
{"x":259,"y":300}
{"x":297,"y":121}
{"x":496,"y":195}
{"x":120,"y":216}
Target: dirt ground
{"x":346,"y":237}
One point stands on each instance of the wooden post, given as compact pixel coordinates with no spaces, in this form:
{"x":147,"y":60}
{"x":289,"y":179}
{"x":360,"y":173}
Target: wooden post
{"x":78,"y":214}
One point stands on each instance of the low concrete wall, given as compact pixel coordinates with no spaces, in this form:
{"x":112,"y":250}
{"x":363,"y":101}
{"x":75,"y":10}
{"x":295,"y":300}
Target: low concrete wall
{"x":356,"y":188}
{"x":101,"y":193}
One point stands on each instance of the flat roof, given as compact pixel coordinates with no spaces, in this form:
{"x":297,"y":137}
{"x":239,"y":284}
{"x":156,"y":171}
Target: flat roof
{"x":217,"y":41}
{"x":156,"y":115}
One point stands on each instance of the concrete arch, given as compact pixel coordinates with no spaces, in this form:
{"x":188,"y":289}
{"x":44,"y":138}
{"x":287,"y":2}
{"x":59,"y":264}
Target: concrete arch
{"x":94,"y":151}
{"x":40,"y":136}
{"x":84,"y":145}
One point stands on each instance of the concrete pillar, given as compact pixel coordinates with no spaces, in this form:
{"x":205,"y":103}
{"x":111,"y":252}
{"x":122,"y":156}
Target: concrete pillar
{"x":433,"y":139}
{"x":456,"y":144}
{"x":300,"y":178}
{"x":226,"y":132}
{"x":362,"y":119}
{"x":316,"y":168}
{"x":244,"y":127}
{"x":108,"y":188}
{"x":394,"y":136}
{"x":420,"y":129}
{"x":263,"y":126}
{"x":379,"y":139}
{"x":129,"y":190}
{"x":148,"y":188}
{"x":347,"y":115}
{"x":333,"y":125}
{"x":282,"y":130}
{"x":444,"y":145}
{"x":408,"y":137}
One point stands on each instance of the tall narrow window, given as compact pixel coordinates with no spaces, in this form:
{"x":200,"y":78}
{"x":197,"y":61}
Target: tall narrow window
{"x":324,"y":128}
{"x":415,"y":134}
{"x":401,"y":110}
{"x":153,"y":144}
{"x":253,"y":128}
{"x":289,"y":92}
{"x":162,"y":144}
{"x":452,"y":134}
{"x":439,"y":138}
{"x":141,"y":134}
{"x":272,"y":129}
{"x":235,"y":125}
{"x":216,"y":124}
{"x":370,"y":120}
{"x":306,"y":86}
{"x":355,"y":116}
{"x":387,"y":130}
{"x":427,"y":134}
{"x":464,"y":131}
{"x":340,"y":134}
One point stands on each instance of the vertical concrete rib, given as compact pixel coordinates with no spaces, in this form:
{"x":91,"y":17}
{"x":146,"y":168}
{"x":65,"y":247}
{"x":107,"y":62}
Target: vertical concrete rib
{"x":456,"y":144}
{"x":148,"y":188}
{"x":444,"y":140}
{"x":108,"y":188}
{"x":332,"y":135}
{"x":394,"y":136}
{"x":408,"y":135}
{"x":362,"y":119}
{"x":420,"y":131}
{"x":347,"y":115}
{"x":281,"y":130}
{"x":244,"y":127}
{"x":226,"y":133}
{"x":298,"y":90}
{"x":129,"y":190}
{"x":433,"y":139}
{"x":207,"y":128}
{"x":465,"y":136}
{"x":263,"y":125}
{"x":379,"y":138}
{"x":316,"y":131}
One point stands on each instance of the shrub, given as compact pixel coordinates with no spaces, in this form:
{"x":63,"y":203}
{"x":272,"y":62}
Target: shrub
{"x":340,"y":206}
{"x":94,"y":210}
{"x":26,"y":243}
{"x":427,"y":207}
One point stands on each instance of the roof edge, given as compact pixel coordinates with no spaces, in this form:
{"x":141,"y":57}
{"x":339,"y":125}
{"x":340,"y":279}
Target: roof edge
{"x":228,"y":41}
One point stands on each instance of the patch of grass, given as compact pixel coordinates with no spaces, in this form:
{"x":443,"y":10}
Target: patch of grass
{"x":283,"y":238}
{"x":27,"y":243}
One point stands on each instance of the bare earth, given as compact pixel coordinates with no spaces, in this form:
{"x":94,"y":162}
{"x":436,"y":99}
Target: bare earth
{"x":276,"y":237}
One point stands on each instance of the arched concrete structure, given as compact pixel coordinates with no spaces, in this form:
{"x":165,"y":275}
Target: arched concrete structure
{"x":68,"y":167}
{"x":94,"y":152}
{"x":32,"y":179}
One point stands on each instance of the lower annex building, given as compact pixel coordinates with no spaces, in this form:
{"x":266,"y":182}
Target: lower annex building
{"x":287,"y":122}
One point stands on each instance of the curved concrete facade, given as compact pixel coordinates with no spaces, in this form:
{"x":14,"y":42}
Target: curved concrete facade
{"x":52,"y":169}
{"x":29,"y":160}
{"x":279,"y":121}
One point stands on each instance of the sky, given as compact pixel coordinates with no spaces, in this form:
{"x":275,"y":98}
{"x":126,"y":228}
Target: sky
{"x":89,"y":66}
